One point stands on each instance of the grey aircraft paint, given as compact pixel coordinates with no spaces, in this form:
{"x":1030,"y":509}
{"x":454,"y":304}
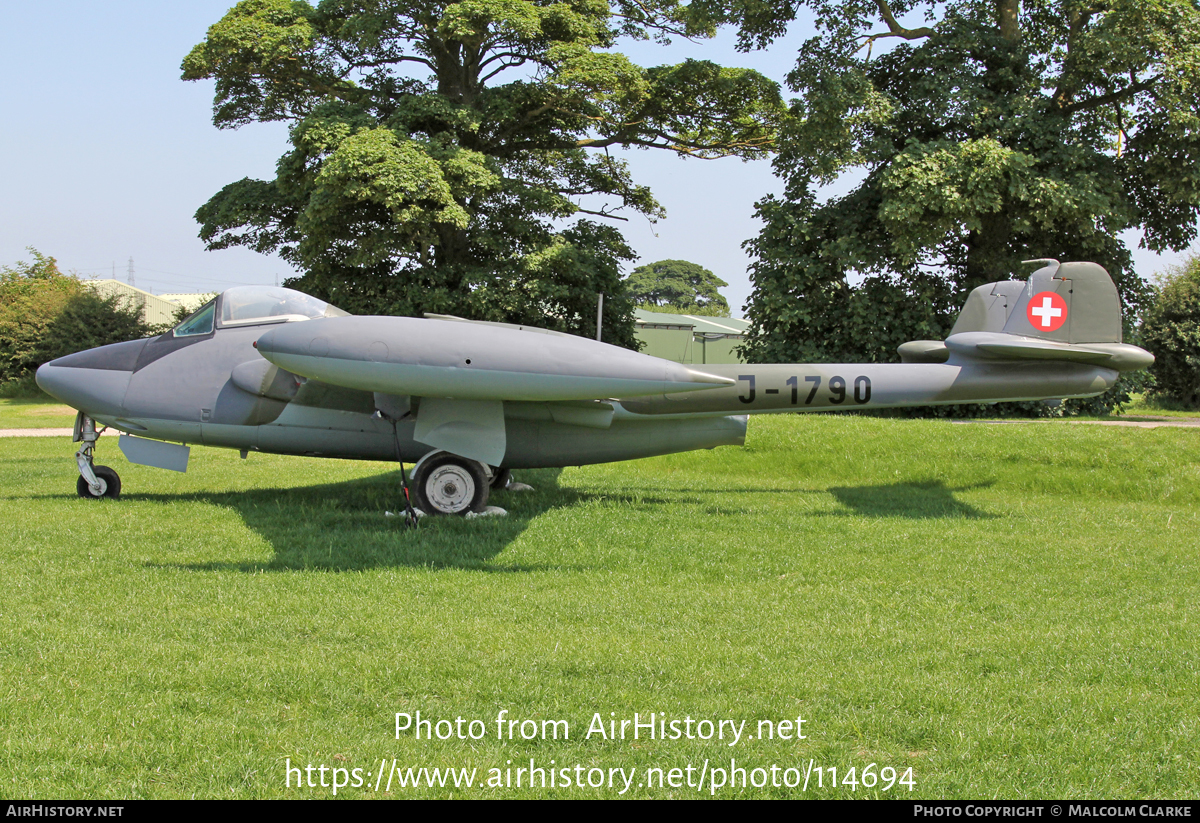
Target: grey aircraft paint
{"x":276,"y":371}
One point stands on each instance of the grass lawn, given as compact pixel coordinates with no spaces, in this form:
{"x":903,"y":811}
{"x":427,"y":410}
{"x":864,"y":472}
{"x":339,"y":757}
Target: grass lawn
{"x":35,"y":414}
{"x":1157,"y":407}
{"x":1011,"y":611}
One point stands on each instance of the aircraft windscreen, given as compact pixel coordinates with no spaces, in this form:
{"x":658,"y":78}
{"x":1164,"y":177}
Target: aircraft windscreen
{"x":200,"y":322}
{"x":247,"y":305}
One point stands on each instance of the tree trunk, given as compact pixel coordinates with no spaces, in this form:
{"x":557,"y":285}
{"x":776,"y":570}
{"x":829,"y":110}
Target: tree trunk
{"x":988,"y":256}
{"x":1008,"y":15}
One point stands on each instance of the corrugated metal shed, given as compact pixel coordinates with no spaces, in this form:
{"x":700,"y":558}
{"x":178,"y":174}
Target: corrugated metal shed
{"x":689,"y":338}
{"x":190,"y":301}
{"x":155,"y":310}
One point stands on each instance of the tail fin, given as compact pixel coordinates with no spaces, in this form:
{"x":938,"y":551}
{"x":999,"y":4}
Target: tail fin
{"x":1065,"y":311}
{"x":1068,"y":303}
{"x":987,"y":310}
{"x":988,"y":307}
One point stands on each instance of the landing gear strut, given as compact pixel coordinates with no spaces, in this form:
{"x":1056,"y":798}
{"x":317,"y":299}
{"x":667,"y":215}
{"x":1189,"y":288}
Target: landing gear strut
{"x":95,"y":482}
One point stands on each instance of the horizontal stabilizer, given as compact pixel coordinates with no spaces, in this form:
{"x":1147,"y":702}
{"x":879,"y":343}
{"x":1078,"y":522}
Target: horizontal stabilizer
{"x":1000,"y":346}
{"x":1065,"y":312}
{"x":1021,"y":349}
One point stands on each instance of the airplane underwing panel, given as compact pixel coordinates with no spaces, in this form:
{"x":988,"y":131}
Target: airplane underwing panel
{"x":318,"y":395}
{"x":332,"y":432}
{"x":470,"y":428}
{"x":539,"y":444}
{"x":592,"y":415}
{"x":154,"y":453}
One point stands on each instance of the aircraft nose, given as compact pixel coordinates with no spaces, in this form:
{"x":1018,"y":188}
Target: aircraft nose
{"x":94,"y":380}
{"x":95,"y":391}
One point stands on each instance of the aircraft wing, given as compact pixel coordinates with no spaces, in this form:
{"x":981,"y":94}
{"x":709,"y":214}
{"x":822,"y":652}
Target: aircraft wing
{"x":441,"y":358}
{"x":464,"y":373}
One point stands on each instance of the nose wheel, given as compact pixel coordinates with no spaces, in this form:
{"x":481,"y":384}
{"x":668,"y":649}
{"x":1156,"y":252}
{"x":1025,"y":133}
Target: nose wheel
{"x":107,"y":481}
{"x":95,"y":482}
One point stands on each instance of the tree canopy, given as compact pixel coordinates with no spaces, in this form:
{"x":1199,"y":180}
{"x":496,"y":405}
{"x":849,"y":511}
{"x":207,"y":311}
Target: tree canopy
{"x":1172,"y":332}
{"x":677,"y":286}
{"x":992,"y":131}
{"x":449,"y":156}
{"x":46,"y":313}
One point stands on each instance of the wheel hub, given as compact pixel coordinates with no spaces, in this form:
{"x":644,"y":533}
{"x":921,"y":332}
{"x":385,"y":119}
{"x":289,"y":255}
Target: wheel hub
{"x":450,"y":489}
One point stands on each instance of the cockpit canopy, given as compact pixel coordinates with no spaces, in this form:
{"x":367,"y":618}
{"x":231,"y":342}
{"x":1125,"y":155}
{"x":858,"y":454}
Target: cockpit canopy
{"x":255,"y":305}
{"x":249,"y":305}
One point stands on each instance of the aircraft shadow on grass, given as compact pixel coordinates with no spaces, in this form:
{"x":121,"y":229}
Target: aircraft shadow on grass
{"x":342,"y":526}
{"x":917,"y":500}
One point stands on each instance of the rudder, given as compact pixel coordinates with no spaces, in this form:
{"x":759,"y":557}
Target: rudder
{"x":1090,"y":308}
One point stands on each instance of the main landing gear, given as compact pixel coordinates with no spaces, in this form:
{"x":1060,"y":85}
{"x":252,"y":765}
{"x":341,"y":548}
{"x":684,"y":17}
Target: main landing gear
{"x":95,"y":482}
{"x":445,"y":483}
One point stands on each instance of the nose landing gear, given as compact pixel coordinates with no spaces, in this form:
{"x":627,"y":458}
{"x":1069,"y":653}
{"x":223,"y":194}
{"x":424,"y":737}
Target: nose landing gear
{"x":108,"y":481}
{"x":95,"y":482}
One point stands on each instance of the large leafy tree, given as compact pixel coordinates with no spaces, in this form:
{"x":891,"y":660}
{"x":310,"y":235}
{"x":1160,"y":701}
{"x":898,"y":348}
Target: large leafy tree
{"x":989,"y":132}
{"x":449,"y":156}
{"x":677,"y":286}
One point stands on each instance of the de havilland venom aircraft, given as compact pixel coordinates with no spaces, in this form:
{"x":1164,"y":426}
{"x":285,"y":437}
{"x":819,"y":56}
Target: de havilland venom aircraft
{"x":273,"y":370}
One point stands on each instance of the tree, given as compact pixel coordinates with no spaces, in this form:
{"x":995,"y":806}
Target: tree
{"x":990,"y":133}
{"x":678,"y":286}
{"x":440,"y":150}
{"x":1171,"y":332}
{"x":31,"y":296}
{"x":46,"y":314}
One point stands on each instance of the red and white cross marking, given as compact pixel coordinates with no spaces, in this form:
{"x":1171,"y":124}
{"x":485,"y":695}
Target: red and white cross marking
{"x":1046,"y":311}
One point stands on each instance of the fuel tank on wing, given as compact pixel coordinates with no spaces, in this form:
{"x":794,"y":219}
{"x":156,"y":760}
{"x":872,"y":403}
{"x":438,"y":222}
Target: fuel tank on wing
{"x":442,"y":358}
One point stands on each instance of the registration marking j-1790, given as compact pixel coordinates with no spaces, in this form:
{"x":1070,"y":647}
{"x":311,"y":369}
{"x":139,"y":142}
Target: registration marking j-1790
{"x":836,"y":388}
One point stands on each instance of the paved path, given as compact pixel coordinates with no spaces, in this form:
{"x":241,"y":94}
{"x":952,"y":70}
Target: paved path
{"x":1143,"y":423}
{"x":36,"y":432}
{"x":1180,"y":422}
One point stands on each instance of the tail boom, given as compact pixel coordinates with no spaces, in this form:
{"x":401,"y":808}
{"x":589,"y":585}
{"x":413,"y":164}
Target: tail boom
{"x":781,"y":388}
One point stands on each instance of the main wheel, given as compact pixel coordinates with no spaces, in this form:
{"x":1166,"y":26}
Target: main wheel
{"x":449,"y":484}
{"x":110,"y":484}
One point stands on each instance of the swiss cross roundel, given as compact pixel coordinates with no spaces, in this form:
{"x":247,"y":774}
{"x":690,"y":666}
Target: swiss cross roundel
{"x":1046,"y":311}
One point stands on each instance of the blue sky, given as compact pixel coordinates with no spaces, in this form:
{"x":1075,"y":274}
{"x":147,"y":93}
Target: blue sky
{"x":105,"y":154}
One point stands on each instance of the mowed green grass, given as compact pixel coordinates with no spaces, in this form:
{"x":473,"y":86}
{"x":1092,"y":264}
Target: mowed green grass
{"x":1009,"y":610}
{"x":35,"y":414}
{"x":1157,"y":407}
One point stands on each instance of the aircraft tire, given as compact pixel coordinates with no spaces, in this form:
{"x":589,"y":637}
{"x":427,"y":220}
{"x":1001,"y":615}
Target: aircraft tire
{"x":449,"y":484}
{"x":501,"y":479}
{"x":108,"y":478}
